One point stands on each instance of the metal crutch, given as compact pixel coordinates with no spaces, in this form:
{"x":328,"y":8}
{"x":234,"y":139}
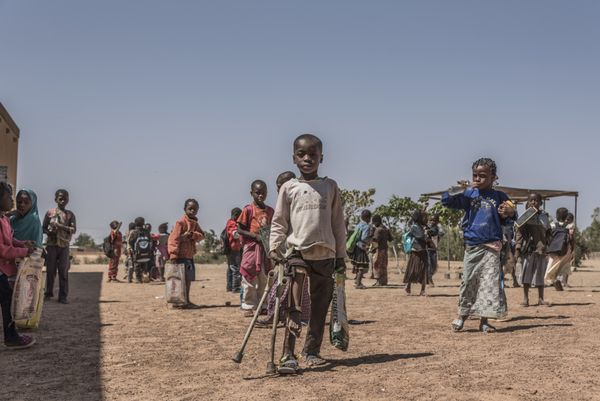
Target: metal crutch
{"x":237,"y":358}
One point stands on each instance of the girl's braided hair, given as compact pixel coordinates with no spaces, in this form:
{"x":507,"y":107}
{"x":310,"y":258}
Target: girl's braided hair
{"x":486,"y":162}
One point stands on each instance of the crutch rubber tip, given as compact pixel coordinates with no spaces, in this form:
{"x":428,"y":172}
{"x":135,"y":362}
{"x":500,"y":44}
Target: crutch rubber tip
{"x":271,"y":368}
{"x":237,"y":358}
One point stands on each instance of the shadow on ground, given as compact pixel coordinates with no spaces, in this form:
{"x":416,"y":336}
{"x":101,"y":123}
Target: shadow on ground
{"x":64,"y":364}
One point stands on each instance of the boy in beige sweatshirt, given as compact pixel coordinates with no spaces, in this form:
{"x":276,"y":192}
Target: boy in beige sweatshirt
{"x":309,"y":221}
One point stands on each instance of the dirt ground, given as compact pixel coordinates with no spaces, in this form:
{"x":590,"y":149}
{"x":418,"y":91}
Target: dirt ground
{"x":120,"y":342}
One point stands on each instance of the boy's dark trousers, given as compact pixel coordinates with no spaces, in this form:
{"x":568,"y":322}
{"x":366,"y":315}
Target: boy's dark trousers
{"x":138,"y":268}
{"x":233,"y":271}
{"x":320,"y":273}
{"x":10,"y":333}
{"x":57,"y":261}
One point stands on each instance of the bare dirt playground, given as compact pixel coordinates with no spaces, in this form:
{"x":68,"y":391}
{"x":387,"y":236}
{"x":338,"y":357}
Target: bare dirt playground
{"x":119,"y":341}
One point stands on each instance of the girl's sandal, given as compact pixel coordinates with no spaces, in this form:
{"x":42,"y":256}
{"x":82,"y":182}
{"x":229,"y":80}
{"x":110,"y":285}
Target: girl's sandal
{"x":524,"y":304}
{"x":544,"y":303}
{"x":458,"y":324}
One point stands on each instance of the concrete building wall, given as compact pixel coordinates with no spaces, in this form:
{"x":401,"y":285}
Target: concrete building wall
{"x":9,"y":147}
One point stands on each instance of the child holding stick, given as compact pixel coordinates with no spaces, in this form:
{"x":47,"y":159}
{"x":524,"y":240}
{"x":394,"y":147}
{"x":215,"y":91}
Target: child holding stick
{"x":486,"y":211}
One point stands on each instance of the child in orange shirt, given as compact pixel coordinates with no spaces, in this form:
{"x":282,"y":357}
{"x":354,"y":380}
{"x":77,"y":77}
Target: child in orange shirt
{"x":182,"y":244}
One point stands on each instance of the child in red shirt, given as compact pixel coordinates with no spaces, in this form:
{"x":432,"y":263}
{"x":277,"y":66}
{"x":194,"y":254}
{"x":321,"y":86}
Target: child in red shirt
{"x":254,"y":226}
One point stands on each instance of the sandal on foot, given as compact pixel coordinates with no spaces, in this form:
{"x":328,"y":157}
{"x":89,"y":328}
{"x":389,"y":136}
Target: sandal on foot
{"x":264,"y":323}
{"x":20,"y":343}
{"x":314,"y":360}
{"x":288,"y":365}
{"x":524,"y":304}
{"x":541,"y":302}
{"x":458,"y":324}
{"x":486,"y":328}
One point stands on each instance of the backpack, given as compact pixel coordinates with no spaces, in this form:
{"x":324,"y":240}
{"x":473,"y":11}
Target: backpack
{"x":107,"y":248}
{"x":142,"y":248}
{"x":559,"y":241}
{"x":225,"y":242}
{"x":407,"y":242}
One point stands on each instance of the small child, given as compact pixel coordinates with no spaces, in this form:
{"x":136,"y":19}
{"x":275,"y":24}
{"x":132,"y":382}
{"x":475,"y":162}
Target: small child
{"x":507,"y":255}
{"x":566,"y":272}
{"x":309,"y":220}
{"x":532,"y":239}
{"x":116,"y":240}
{"x":559,"y":250}
{"x":381,"y":237}
{"x":234,"y":255}
{"x":10,"y":249}
{"x":486,"y":211}
{"x":360,"y":257}
{"x":128,"y":251}
{"x":417,"y":268}
{"x":152,"y":270}
{"x":253,"y":225}
{"x":162,"y":252}
{"x":182,"y":245}
{"x":59,"y":225}
{"x":141,"y":249}
{"x":434,"y":233}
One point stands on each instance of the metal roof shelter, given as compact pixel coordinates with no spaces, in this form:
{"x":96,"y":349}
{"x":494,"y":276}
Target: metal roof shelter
{"x":521,"y":195}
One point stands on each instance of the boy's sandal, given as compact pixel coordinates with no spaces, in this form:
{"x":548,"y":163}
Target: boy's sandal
{"x":314,"y":360}
{"x":21,"y":343}
{"x":264,"y":323}
{"x":288,"y":365}
{"x":458,"y":324}
{"x":486,"y":328}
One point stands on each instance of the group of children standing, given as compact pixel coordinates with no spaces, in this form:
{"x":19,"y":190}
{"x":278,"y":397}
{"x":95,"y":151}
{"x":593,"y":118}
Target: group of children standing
{"x":147,"y":253}
{"x":21,"y":232}
{"x":307,"y":232}
{"x":371,"y":244}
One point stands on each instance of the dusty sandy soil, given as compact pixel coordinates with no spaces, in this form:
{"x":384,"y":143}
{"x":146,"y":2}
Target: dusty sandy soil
{"x":120,"y":342}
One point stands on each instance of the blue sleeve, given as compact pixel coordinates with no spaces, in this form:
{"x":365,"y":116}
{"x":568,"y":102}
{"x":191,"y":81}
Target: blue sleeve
{"x":38,"y":235}
{"x":461,"y":201}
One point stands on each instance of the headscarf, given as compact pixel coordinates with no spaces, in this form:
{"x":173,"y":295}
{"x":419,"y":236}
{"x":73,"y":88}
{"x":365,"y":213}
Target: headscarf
{"x":28,"y":227}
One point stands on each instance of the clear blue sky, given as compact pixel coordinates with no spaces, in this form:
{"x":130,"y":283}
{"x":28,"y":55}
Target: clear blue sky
{"x":136,"y":105}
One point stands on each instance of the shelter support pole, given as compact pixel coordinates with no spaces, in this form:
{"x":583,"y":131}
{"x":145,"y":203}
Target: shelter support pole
{"x":448,"y":245}
{"x":575,"y":212}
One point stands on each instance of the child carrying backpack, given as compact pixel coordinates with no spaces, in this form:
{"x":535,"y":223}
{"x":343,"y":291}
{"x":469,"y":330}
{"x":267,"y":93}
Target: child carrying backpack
{"x":559,"y":249}
{"x":142,"y":250}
